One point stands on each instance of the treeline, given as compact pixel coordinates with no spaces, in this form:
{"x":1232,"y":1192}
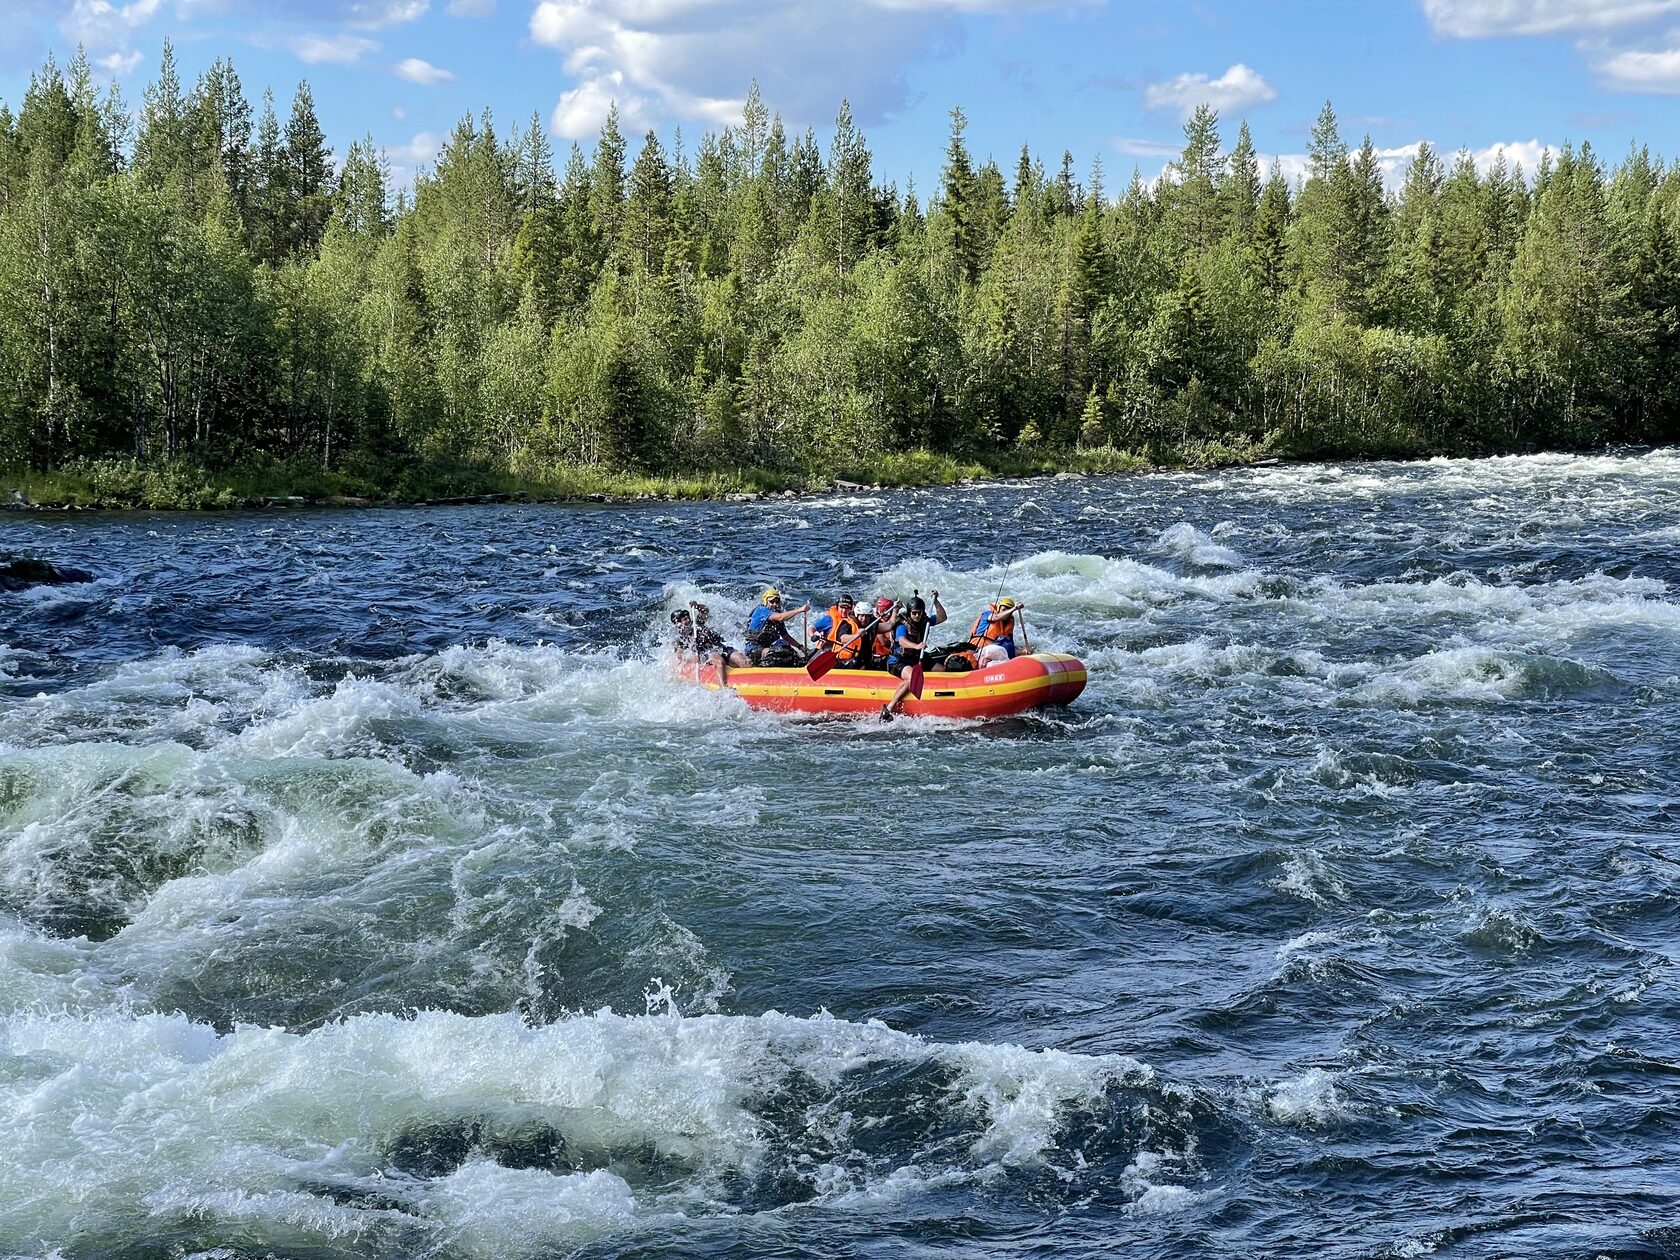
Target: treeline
{"x":189,"y":285}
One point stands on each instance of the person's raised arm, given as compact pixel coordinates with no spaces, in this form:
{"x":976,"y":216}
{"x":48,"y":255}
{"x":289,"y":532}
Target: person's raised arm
{"x":938,"y":610}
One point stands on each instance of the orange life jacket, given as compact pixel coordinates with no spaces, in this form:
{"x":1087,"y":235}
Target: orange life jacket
{"x":841,"y":633}
{"x":992,"y":631}
{"x":882,"y":645}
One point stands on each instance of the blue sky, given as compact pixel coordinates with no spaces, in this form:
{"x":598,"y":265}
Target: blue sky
{"x":1108,"y":77}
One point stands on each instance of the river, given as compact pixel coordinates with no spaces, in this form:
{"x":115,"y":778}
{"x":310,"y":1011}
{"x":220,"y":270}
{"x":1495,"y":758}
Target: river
{"x":368,"y":889}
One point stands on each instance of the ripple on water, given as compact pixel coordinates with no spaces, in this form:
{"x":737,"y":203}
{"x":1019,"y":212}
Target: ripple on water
{"x":330,"y":844}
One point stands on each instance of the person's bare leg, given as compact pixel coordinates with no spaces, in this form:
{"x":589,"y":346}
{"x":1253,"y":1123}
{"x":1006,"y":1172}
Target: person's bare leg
{"x":891,"y":707}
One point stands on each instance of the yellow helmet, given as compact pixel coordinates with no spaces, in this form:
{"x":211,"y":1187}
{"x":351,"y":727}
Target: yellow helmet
{"x":1008,"y":601}
{"x":770,"y":595}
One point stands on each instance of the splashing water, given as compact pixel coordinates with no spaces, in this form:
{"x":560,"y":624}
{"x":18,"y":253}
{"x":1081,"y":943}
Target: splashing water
{"x":369,"y":887}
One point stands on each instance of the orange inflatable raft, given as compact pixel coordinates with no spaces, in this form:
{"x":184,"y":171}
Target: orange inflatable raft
{"x":1016,"y":686}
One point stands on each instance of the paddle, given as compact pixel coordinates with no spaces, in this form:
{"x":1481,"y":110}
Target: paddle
{"x":824,"y":660}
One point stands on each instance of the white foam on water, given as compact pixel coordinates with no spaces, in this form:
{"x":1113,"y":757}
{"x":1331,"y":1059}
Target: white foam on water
{"x":1150,"y":1196}
{"x":484,"y":1210}
{"x":42,"y":973}
{"x":1501,"y":928}
{"x":1306,"y":875}
{"x":1310,"y":1100}
{"x":1306,"y":941}
{"x":176,"y":695}
{"x":109,"y":1120}
{"x":1192,"y":546}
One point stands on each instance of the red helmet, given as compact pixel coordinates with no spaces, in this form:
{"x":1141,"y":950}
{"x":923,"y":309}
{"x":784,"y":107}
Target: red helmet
{"x":883,"y":606}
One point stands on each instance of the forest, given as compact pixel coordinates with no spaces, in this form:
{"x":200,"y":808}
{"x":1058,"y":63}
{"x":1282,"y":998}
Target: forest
{"x":199,"y":290}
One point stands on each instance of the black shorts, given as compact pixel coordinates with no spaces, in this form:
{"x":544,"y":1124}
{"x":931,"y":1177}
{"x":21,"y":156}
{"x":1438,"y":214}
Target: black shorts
{"x":897,"y":668}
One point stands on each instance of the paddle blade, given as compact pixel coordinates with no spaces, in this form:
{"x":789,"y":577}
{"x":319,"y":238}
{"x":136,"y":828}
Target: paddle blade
{"x":820,"y":664}
{"x":916,"y":680}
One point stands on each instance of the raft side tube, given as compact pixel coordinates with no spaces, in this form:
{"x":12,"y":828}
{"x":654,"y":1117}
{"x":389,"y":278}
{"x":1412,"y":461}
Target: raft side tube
{"x":1016,"y":686}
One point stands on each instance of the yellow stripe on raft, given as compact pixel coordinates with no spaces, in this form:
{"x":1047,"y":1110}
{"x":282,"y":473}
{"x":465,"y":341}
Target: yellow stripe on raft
{"x":999,"y":690}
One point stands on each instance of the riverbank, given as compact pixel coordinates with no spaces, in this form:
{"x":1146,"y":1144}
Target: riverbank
{"x":117,"y":484}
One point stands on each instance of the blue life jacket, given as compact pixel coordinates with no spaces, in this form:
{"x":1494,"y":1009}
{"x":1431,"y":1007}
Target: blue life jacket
{"x":761,"y":631}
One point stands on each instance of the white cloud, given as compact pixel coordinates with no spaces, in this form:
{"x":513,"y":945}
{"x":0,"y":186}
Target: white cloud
{"x":471,"y":8}
{"x":1524,"y":153}
{"x":1393,"y":162}
{"x":376,"y":13}
{"x":968,"y":6}
{"x":583,"y":109}
{"x":421,"y":149}
{"x":1236,"y":89}
{"x":423,"y":72}
{"x":1635,"y":71}
{"x":120,"y":64}
{"x":1146,"y":148}
{"x":1475,"y":19}
{"x":100,"y":24}
{"x":341,"y":49}
{"x":404,"y":161}
{"x":398,"y":112}
{"x":692,"y":59}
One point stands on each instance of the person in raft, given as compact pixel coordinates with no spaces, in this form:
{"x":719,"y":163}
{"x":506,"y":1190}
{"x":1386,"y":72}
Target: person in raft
{"x":841,"y":629}
{"x":768,"y":642}
{"x":910,"y":640}
{"x":993,"y":635}
{"x":878,"y":643}
{"x":696,"y":642}
{"x":991,"y":641}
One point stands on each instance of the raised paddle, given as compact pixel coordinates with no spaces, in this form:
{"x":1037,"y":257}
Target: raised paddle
{"x":824,"y":660}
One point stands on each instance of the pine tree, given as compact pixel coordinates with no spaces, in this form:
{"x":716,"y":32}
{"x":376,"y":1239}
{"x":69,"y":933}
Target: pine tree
{"x":1026,"y":183}
{"x":360,"y":199}
{"x":957,"y":202}
{"x":1271,"y":231}
{"x":161,"y":147}
{"x":269,"y":218}
{"x":850,"y":195}
{"x":1196,"y":202}
{"x":647,"y":213}
{"x":1240,"y":189}
{"x":755,"y":131}
{"x":606,"y":179}
{"x":309,"y":174}
{"x":1415,"y":294}
{"x":1326,"y":151}
{"x":221,"y":126}
{"x":536,"y":183}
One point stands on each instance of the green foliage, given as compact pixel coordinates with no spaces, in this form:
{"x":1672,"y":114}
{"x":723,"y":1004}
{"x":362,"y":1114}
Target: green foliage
{"x":196,"y":310}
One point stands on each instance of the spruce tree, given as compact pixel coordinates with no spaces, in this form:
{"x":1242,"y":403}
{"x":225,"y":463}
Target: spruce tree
{"x":309,"y":174}
{"x":957,"y":202}
{"x":1239,"y":190}
{"x":606,"y":179}
{"x":647,"y":212}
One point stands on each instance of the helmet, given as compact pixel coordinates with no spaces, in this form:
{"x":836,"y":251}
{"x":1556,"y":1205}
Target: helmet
{"x":883,"y":606}
{"x":918,"y":606}
{"x":680,"y":615}
{"x":846,"y":601}
{"x":770,"y":596}
{"x":1008,"y":601}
